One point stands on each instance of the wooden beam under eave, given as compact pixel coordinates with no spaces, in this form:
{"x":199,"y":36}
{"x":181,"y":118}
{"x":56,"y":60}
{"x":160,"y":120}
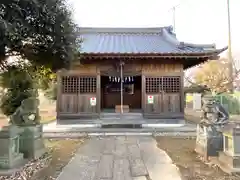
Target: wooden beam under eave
{"x":154,"y":57}
{"x":214,"y":57}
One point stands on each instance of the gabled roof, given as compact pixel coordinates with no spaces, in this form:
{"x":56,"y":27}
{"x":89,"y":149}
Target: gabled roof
{"x":138,"y":41}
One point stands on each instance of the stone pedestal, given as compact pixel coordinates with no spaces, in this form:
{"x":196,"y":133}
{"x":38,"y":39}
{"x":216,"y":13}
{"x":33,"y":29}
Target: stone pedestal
{"x":229,"y":159}
{"x":31,"y":142}
{"x":10,"y":157}
{"x":209,"y":141}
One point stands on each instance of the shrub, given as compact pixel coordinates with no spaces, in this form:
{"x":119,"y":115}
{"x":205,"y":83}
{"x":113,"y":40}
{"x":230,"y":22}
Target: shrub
{"x":19,"y":85}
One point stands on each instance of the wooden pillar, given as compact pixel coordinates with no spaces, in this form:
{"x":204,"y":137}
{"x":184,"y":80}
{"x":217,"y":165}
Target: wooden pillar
{"x":143,"y":93}
{"x":182,"y":96}
{"x":59,"y":93}
{"x":99,"y":93}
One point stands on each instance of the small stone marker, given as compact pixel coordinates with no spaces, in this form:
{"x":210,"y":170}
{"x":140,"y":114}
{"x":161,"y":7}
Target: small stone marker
{"x":150,"y":99}
{"x":93,"y":101}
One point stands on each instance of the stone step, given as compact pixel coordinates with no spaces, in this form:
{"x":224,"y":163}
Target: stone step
{"x":90,"y":130}
{"x":127,"y":133}
{"x":133,"y":126}
{"x":121,"y":121}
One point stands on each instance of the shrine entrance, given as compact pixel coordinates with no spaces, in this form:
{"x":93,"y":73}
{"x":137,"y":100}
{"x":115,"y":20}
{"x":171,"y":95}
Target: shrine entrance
{"x":111,"y":92}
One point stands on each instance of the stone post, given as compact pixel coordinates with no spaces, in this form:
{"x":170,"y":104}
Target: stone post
{"x":31,"y":142}
{"x":10,"y":157}
{"x":230,"y":157}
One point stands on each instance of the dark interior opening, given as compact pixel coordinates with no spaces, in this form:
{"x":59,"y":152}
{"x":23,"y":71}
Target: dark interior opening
{"x":111,"y":92}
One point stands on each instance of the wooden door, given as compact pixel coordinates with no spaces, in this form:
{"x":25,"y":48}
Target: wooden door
{"x":76,"y":92}
{"x":166,"y":92}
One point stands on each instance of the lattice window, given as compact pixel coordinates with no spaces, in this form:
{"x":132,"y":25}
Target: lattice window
{"x":88,"y":84}
{"x":76,"y":84}
{"x":167,"y":84}
{"x":171,"y":84}
{"x":153,"y":85}
{"x":70,"y":84}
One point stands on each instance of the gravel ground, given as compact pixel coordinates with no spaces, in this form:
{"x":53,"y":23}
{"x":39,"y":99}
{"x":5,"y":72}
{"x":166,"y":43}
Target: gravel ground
{"x":50,"y":165}
{"x":181,"y":150}
{"x":29,"y":169}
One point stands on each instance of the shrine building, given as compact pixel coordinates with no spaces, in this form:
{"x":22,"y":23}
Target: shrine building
{"x":141,"y":69}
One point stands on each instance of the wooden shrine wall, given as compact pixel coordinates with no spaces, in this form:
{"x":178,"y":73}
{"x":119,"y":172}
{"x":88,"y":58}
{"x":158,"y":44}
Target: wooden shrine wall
{"x":75,"y":89}
{"x":165,"y":83}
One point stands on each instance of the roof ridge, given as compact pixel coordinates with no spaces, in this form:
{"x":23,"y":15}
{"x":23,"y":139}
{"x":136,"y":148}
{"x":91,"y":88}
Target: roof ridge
{"x":170,"y":36}
{"x":210,"y":46}
{"x":125,"y":30}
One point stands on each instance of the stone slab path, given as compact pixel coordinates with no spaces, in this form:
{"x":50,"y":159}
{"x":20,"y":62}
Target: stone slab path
{"x":120,"y":158}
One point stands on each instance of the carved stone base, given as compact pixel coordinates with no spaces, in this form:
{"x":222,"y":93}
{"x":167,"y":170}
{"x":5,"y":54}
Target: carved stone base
{"x":10,"y":157}
{"x":209,"y":142}
{"x":31,"y":142}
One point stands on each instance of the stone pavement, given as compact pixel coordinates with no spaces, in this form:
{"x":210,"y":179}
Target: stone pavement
{"x":120,"y":158}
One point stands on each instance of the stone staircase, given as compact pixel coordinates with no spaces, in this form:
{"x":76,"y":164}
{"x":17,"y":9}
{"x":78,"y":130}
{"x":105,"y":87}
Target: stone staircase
{"x":115,"y":124}
{"x":111,"y":123}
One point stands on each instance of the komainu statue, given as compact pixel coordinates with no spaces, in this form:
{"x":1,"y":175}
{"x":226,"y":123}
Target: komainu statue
{"x":27,"y":113}
{"x":213,"y":112}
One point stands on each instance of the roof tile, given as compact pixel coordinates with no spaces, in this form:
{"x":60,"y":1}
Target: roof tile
{"x":136,"y":40}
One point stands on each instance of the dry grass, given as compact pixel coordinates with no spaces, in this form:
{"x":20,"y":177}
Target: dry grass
{"x":61,"y":151}
{"x":181,"y":150}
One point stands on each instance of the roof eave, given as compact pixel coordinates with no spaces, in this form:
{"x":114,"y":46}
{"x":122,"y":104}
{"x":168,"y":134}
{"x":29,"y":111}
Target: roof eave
{"x":211,"y":53}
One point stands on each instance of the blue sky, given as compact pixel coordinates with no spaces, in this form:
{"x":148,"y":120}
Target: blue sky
{"x":197,"y":21}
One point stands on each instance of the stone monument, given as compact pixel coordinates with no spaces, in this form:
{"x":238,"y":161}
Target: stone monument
{"x":209,"y":140}
{"x":26,"y":117}
{"x":229,"y":159}
{"x":10,"y":157}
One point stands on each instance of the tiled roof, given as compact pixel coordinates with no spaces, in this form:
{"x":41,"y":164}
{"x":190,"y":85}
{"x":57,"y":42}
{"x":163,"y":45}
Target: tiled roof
{"x":136,"y":40}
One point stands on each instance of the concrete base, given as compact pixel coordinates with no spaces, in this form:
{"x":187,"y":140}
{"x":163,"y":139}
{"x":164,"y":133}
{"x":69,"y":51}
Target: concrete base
{"x":18,"y":165}
{"x":10,"y":158}
{"x":31,"y":142}
{"x":13,"y":162}
{"x":229,"y":164}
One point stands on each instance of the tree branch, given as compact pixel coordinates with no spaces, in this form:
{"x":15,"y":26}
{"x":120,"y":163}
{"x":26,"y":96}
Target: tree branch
{"x":220,"y":83}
